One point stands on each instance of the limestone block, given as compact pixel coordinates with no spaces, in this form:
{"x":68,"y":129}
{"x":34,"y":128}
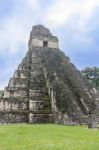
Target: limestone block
{"x":35,"y":73}
{"x":53,"y":44}
{"x":14,"y":106}
{"x":32,"y":105}
{"x":34,"y":55}
{"x":92,"y":121}
{"x":1,"y":104}
{"x":37,"y":42}
{"x":30,"y":117}
{"x":23,"y":106}
{"x":40,"y":118}
{"x":35,"y":92}
{"x":13,"y":117}
{"x":11,"y":82}
{"x":20,"y":67}
{"x":36,"y":105}
{"x":53,"y":101}
{"x":7,"y":105}
{"x":18,"y":82}
{"x":21,"y":82}
{"x":6,"y":93}
{"x":19,"y":93}
{"x":65,"y":119}
{"x":16,"y":75}
{"x":22,"y":76}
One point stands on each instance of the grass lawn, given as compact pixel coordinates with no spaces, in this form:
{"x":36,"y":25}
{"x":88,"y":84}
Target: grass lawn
{"x":48,"y":137}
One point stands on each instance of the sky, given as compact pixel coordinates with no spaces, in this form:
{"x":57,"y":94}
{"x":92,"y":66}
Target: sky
{"x":75,"y":22}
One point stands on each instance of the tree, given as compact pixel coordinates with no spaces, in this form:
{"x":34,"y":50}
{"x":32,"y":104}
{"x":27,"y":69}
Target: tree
{"x":92,"y":74}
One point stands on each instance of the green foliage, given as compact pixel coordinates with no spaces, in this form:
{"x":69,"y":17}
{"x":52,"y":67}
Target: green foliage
{"x":1,"y":93}
{"x":63,"y":95}
{"x":92,"y":74}
{"x":48,"y":137}
{"x":46,"y":98}
{"x":47,"y":106}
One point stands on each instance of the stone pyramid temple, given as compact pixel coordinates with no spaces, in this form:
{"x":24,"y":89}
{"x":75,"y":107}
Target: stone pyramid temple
{"x":46,"y":87}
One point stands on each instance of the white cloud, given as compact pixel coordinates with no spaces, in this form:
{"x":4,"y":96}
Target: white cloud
{"x":12,"y":36}
{"x":62,"y":11}
{"x":75,"y":16}
{"x":32,"y":3}
{"x":15,"y":29}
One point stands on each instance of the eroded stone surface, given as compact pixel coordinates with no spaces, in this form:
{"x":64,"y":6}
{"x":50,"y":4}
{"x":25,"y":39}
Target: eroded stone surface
{"x":46,"y":87}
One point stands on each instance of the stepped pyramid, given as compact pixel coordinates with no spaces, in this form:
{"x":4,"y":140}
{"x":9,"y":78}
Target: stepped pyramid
{"x":46,"y":87}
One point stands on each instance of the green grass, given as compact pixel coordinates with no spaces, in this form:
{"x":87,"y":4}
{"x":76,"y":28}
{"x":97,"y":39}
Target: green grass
{"x":48,"y":137}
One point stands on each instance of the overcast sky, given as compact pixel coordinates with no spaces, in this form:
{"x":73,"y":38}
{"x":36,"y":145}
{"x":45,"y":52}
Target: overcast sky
{"x":75,"y":22}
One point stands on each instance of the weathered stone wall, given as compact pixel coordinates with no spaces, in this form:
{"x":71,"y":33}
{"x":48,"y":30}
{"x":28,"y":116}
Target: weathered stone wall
{"x":39,"y":101}
{"x":46,"y":87}
{"x":13,"y":111}
{"x":13,"y":117}
{"x":40,"y":118}
{"x":39,"y":43}
{"x":39,"y":35}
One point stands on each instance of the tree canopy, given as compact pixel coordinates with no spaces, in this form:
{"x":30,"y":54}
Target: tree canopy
{"x":92,"y":74}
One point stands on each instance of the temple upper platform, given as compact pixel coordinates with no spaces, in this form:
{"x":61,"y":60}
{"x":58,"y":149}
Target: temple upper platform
{"x":40,"y":36}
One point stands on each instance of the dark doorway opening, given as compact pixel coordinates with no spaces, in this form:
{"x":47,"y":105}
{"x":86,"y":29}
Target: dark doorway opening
{"x":45,"y":43}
